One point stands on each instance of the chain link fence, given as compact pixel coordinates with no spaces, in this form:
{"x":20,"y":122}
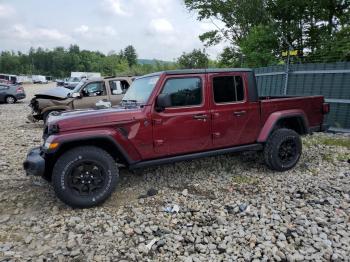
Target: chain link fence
{"x":332,"y":80}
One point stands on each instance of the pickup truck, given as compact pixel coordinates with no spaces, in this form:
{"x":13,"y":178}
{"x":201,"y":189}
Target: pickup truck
{"x":89,"y":93}
{"x":167,"y":117}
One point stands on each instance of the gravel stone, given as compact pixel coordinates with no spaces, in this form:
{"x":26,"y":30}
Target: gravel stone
{"x":237,"y":209}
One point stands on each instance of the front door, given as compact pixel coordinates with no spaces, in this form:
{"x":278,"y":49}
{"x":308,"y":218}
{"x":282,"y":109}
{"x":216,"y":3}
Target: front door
{"x":91,"y":95}
{"x":185,"y":126}
{"x":234,"y":117}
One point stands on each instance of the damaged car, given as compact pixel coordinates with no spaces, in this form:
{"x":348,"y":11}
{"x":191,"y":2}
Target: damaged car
{"x":88,"y":94}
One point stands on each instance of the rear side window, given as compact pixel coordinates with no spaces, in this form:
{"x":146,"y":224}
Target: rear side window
{"x":184,"y":91}
{"x":118,"y":87}
{"x":228,"y":89}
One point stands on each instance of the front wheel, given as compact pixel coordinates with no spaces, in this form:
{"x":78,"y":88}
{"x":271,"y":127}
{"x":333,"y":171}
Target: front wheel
{"x":84,"y":177}
{"x":283,"y":149}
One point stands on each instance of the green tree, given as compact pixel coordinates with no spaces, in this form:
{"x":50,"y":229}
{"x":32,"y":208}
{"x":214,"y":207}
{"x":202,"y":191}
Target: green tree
{"x":130,"y":55}
{"x":305,"y":25}
{"x":260,"y":47}
{"x":194,"y":59}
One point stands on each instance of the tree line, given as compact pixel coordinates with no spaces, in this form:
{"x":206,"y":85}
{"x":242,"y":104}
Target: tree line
{"x":60,"y":62}
{"x":258,"y":31}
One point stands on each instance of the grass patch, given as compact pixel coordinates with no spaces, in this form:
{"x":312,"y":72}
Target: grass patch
{"x":344,"y":142}
{"x":343,"y":157}
{"x":244,"y":180}
{"x":327,"y":157}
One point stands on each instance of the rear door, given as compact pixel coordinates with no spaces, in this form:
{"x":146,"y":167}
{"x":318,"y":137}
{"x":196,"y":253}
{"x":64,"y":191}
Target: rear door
{"x":185,"y":126}
{"x":235,"y":120}
{"x":117,"y":89}
{"x":91,"y":94}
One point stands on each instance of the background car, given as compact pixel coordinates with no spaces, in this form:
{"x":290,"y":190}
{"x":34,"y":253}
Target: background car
{"x":72,"y":82}
{"x":88,"y":94}
{"x":10,"y":94}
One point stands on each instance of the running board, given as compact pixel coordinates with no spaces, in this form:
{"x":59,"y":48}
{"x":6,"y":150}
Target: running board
{"x":169,"y":160}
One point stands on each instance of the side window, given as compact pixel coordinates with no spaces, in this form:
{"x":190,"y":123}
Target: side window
{"x":94,"y":89}
{"x":228,"y":89}
{"x":118,"y":87}
{"x":184,"y":91}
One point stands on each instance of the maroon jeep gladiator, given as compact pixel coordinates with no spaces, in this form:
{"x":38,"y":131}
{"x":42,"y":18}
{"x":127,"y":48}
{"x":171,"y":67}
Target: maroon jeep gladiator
{"x":166,"y":117}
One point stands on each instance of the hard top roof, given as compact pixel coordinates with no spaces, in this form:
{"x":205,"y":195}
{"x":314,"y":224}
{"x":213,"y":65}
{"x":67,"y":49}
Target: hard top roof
{"x":200,"y":71}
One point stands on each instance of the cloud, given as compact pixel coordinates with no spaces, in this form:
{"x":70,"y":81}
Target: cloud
{"x":51,"y":34}
{"x":82,"y":29}
{"x":6,"y":11}
{"x":116,"y":7}
{"x":161,"y":25}
{"x":19,"y":31}
{"x":156,"y":7}
{"x":91,"y":32}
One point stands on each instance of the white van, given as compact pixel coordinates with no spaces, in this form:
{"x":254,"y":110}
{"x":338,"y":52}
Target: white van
{"x":39,"y":79}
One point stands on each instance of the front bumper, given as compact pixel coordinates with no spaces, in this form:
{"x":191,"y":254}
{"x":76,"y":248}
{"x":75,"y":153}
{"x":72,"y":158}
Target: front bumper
{"x":34,"y":165}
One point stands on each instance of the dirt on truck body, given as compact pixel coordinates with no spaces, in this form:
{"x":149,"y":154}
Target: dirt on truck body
{"x":167,"y":117}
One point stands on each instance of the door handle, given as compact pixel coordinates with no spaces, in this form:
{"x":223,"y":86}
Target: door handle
{"x":239,"y":113}
{"x":200,"y":117}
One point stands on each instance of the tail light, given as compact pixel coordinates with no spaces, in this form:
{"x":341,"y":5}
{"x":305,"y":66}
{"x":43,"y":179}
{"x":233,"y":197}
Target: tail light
{"x":325,"y":108}
{"x":20,"y":90}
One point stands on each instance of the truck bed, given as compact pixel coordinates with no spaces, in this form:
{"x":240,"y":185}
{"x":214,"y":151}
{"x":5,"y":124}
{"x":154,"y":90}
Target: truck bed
{"x":312,"y":106}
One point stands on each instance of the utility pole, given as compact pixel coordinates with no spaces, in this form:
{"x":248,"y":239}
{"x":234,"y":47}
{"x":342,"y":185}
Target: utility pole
{"x":285,"y":89}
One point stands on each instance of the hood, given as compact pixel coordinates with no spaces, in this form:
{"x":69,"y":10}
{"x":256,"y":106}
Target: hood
{"x":80,"y":119}
{"x":54,"y":93}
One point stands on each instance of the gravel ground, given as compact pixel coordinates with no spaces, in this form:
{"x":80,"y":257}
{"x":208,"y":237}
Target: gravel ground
{"x":230,"y":208}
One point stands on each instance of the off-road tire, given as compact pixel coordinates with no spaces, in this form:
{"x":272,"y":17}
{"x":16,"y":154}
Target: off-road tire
{"x":10,"y":100}
{"x":69,"y":162}
{"x":273,"y":147}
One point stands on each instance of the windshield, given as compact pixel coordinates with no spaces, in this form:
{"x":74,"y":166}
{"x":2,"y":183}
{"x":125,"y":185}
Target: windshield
{"x":141,"y":89}
{"x":73,"y":79}
{"x":78,"y":86}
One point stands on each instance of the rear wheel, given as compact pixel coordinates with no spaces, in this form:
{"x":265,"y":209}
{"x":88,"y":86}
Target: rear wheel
{"x":84,"y":177}
{"x":282,"y":150}
{"x":10,"y":100}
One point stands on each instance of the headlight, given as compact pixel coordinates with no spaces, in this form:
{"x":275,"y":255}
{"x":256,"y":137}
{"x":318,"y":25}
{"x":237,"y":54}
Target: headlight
{"x":53,"y":129}
{"x":51,"y":146}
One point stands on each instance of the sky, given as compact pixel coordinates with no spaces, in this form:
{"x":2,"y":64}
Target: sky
{"x":158,"y":29}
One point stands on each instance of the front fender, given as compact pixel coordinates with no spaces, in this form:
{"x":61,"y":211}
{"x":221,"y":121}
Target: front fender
{"x":273,"y":119}
{"x":55,"y":108}
{"x":116,"y":141}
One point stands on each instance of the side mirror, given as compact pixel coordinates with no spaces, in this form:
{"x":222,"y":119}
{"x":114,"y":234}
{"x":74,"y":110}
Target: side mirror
{"x":117,"y":92}
{"x":163,"y":101}
{"x":76,"y":95}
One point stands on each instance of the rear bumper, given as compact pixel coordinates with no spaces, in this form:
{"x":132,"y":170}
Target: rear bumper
{"x":34,"y":165}
{"x":20,"y":96}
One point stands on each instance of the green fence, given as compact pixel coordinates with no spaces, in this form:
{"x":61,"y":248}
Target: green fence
{"x":330,"y":80}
